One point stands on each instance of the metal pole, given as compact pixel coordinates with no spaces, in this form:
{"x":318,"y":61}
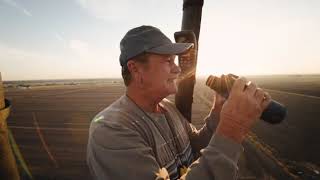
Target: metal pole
{"x":2,"y":103}
{"x":191,"y":20}
{"x":8,"y":166}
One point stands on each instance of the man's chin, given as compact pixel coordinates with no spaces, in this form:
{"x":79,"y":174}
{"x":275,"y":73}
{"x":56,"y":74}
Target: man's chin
{"x":171,"y":88}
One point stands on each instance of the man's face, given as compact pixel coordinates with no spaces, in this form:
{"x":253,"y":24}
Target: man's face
{"x":160,"y":75}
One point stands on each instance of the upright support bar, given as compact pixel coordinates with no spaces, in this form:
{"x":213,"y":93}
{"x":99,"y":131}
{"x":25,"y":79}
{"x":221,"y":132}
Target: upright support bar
{"x":8,"y":166}
{"x":2,"y":102}
{"x":191,"y":20}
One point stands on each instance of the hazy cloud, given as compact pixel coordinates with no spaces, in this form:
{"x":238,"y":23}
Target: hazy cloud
{"x":79,"y":47}
{"x":14,"y":4}
{"x":18,"y":64}
{"x":106,"y":10}
{"x":132,"y":12}
{"x":60,"y":38}
{"x":23,"y":64}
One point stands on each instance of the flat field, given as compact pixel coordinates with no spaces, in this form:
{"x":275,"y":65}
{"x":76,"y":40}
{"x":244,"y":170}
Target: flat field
{"x":50,"y":122}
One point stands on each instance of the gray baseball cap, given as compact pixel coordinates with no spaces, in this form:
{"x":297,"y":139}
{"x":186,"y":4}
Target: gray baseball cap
{"x":148,"y":39}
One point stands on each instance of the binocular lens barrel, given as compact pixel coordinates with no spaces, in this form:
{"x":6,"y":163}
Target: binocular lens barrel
{"x":273,"y":114}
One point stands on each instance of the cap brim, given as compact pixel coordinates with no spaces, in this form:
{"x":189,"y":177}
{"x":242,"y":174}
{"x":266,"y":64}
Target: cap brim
{"x":173,"y":48}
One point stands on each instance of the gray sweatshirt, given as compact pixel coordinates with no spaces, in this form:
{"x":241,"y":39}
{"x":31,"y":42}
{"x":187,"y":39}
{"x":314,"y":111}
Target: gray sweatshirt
{"x":127,"y":143}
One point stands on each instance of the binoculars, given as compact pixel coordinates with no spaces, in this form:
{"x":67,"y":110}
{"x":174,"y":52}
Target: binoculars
{"x":273,"y":114}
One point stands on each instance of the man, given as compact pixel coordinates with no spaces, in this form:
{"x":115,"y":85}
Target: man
{"x":142,"y":134}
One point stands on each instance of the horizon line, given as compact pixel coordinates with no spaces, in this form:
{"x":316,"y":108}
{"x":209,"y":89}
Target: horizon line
{"x":199,"y":76}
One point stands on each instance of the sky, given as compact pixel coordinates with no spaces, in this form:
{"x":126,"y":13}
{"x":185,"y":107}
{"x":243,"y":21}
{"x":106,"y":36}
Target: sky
{"x":67,"y":39}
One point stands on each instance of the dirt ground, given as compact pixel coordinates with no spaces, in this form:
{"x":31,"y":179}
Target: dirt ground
{"x":50,"y":125}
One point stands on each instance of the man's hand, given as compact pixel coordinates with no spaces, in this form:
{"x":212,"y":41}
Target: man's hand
{"x":242,"y":109}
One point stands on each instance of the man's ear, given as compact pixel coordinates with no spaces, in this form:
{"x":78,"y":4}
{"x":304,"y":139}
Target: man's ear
{"x":132,"y":66}
{"x":134,"y":69}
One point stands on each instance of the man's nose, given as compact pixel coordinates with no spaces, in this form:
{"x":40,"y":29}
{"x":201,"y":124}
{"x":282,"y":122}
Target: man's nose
{"x":176,"y":69}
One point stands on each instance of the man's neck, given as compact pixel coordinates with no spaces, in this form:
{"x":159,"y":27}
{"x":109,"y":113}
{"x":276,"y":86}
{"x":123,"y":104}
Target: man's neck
{"x":147,"y":101}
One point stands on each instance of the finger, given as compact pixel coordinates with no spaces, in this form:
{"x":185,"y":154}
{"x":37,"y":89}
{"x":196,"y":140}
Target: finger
{"x":266,"y":100}
{"x":251,"y":88}
{"x":259,"y":94}
{"x":239,"y":85}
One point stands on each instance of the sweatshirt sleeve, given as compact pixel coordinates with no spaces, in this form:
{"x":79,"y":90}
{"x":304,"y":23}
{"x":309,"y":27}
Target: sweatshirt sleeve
{"x":218,"y":155}
{"x":199,"y":139}
{"x":217,"y":161}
